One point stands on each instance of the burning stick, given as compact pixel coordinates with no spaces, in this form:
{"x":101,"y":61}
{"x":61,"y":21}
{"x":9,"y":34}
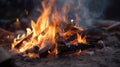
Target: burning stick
{"x":20,"y":43}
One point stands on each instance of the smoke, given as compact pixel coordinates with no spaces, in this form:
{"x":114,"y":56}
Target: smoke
{"x":84,"y":12}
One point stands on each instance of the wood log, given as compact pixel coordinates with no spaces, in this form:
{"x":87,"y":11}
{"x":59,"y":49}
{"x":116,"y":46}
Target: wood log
{"x":67,"y":49}
{"x":64,"y":48}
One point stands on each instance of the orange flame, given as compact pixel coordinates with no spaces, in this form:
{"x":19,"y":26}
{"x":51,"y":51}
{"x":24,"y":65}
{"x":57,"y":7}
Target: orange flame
{"x":47,"y":26}
{"x":80,"y":39}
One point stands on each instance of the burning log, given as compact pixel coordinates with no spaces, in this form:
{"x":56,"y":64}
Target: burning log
{"x":64,"y":48}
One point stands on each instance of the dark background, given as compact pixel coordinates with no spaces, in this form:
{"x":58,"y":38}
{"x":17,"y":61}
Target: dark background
{"x":112,"y":12}
{"x":12,"y":9}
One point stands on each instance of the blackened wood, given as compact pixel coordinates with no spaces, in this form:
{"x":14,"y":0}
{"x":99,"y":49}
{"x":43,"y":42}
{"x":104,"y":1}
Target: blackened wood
{"x":70,"y":48}
{"x":20,"y":43}
{"x":63,"y":48}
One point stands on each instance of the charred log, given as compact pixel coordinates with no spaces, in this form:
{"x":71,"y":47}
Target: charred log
{"x":67,"y":49}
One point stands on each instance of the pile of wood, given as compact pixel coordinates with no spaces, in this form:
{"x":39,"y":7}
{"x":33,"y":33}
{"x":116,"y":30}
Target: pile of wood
{"x":95,"y":39}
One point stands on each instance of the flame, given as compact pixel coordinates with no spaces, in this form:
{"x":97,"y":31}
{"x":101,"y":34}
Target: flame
{"x":80,"y":39}
{"x":44,"y":31}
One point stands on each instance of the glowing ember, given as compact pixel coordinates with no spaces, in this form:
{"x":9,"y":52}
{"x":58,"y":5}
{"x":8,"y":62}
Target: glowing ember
{"x":44,"y":31}
{"x":17,"y":19}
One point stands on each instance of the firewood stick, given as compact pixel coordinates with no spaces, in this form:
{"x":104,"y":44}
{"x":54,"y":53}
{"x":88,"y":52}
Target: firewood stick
{"x":116,"y":25}
{"x":20,"y":43}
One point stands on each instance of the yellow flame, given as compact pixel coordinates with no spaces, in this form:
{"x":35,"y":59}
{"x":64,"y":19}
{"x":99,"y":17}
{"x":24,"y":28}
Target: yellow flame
{"x":80,"y":39}
{"x":45,"y":28}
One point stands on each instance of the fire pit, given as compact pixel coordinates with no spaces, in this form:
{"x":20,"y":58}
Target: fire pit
{"x":53,"y":34}
{"x":58,"y":39}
